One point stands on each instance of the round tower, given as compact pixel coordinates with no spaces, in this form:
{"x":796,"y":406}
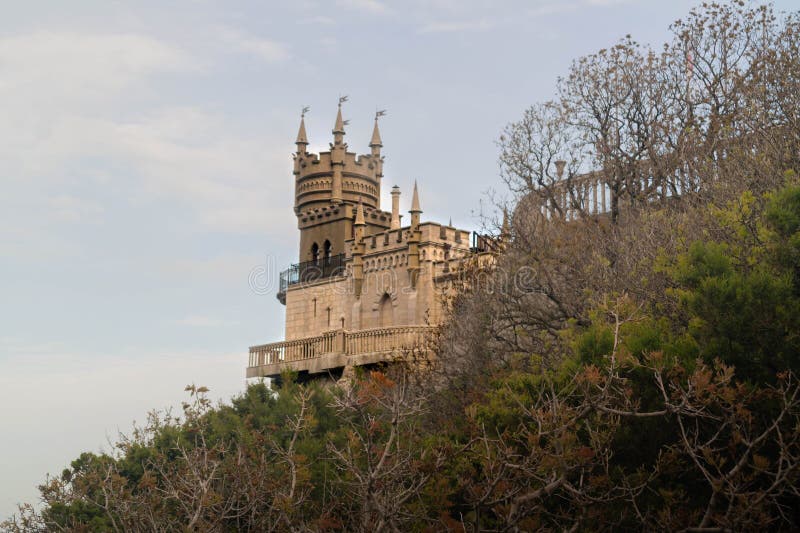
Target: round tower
{"x":329,"y":186}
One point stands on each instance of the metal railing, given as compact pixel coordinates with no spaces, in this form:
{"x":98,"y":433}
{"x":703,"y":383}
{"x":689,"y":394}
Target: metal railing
{"x":310,"y":271}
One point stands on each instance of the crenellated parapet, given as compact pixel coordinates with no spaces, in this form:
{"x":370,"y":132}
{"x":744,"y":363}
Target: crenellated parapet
{"x":358,"y":176}
{"x":337,"y":176}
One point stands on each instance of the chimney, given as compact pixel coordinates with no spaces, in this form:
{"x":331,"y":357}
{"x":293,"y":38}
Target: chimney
{"x":560,"y":164}
{"x":395,"y":224}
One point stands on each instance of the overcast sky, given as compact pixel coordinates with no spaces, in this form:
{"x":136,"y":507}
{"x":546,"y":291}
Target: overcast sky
{"x":145,"y":171}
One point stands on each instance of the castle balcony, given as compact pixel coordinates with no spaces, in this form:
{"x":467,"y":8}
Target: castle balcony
{"x":336,"y":349}
{"x":309,"y":272}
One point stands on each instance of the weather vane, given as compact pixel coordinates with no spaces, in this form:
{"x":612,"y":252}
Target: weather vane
{"x":346,"y":122}
{"x":343,"y":99}
{"x":304,"y":111}
{"x":380,"y":113}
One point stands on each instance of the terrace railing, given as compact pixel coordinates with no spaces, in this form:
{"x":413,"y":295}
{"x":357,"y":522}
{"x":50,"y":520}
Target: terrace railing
{"x":350,"y":343}
{"x":310,"y":271}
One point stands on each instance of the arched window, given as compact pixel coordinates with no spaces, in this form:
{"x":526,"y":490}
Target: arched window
{"x":386,"y":311}
{"x":327,"y":251}
{"x":315,"y":252}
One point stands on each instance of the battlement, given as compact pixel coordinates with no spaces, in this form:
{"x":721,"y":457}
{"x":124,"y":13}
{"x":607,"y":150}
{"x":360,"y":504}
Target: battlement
{"x":328,"y":213}
{"x":337,"y":176}
{"x":431,"y":233}
{"x":315,"y":176}
{"x":310,"y":163}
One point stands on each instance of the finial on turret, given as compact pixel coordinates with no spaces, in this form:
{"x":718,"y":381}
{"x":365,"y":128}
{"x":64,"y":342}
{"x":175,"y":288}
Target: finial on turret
{"x":415,"y":210}
{"x":376,"y":134}
{"x":301,"y":133}
{"x":360,"y":214}
{"x":415,"y":200}
{"x":338,"y":128}
{"x":505,"y":229}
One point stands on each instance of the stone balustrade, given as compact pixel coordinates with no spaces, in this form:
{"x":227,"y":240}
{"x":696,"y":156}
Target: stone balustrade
{"x":333,"y":349}
{"x":590,"y":194}
{"x":295,"y":350}
{"x":385,"y":339}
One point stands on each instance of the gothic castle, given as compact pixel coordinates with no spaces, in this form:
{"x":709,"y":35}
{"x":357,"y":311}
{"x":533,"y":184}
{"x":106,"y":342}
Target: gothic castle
{"x":366,"y":288}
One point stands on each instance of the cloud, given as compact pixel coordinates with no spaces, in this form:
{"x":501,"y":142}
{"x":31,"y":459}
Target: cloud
{"x":182,"y":155}
{"x":445,"y":16}
{"x":318,"y":19}
{"x":79,"y":118}
{"x":266,"y":49}
{"x":552,"y":8}
{"x":198,"y":158}
{"x":456,"y":26}
{"x":57,"y":67}
{"x":231,"y":266}
{"x":367,"y":6}
{"x":605,"y":3}
{"x":68,"y":208}
{"x":199,"y":321}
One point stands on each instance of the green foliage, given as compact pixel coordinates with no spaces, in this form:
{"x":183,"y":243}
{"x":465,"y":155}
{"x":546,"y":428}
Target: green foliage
{"x":743,"y":312}
{"x":783,"y":218}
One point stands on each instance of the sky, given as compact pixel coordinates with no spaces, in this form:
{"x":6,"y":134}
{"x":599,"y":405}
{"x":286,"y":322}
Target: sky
{"x":145,"y":175}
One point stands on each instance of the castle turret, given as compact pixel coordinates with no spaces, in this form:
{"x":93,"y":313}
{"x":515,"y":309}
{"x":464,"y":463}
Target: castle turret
{"x":338,"y":153}
{"x":375,"y":143}
{"x":415,"y":210}
{"x":301,"y":143}
{"x":302,"y":139}
{"x":415,"y":236}
{"x":358,"y":249}
{"x":328,"y":187}
{"x":359,"y":223}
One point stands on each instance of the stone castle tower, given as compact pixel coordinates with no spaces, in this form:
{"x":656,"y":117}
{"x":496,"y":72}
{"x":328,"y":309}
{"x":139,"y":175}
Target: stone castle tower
{"x":366,"y":288}
{"x":329,"y":185}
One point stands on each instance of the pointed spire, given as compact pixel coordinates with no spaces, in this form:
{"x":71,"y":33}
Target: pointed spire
{"x":376,"y":135}
{"x":415,"y":210}
{"x":301,"y":133}
{"x":360,"y":214}
{"x":451,"y":222}
{"x":415,"y":201}
{"x":338,"y":128}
